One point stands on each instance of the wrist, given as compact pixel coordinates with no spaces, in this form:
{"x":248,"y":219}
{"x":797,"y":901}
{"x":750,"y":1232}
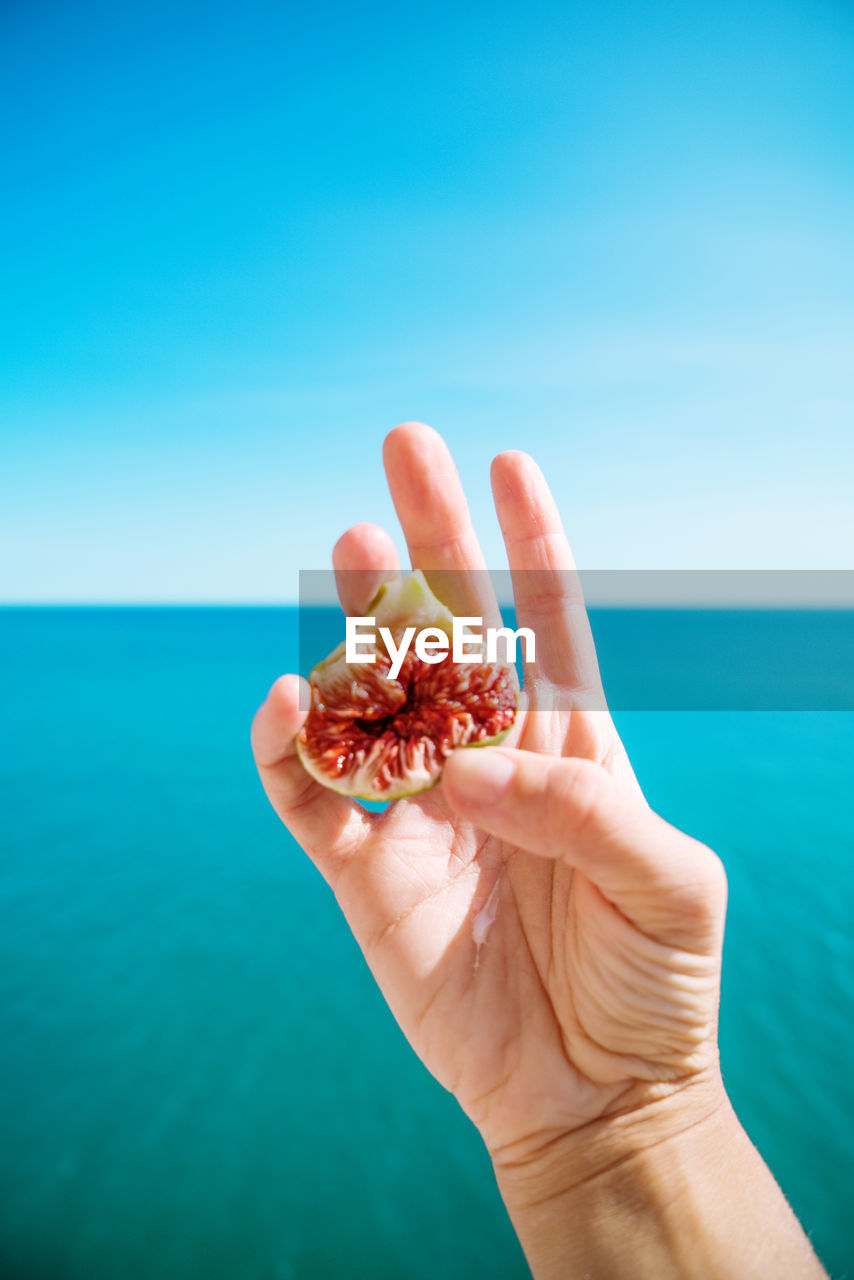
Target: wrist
{"x":669,"y":1188}
{"x":641,"y":1134}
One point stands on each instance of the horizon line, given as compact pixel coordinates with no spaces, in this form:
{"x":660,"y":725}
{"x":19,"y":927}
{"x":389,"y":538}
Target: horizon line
{"x":757,"y":606}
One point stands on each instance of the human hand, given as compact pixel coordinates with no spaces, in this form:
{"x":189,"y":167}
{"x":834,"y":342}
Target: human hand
{"x":552,"y":955}
{"x":550,"y":947}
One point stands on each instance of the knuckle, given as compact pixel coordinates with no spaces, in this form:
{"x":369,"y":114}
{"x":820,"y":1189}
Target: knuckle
{"x":702,"y":900}
{"x":578,"y":798}
{"x":273,"y":724}
{"x":256,"y":730}
{"x":718,"y":884}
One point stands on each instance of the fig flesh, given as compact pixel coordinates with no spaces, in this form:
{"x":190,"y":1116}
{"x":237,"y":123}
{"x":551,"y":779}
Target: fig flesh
{"x":381,"y":738}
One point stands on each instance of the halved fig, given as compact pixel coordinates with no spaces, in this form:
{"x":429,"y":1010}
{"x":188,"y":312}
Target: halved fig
{"x":381,"y":738}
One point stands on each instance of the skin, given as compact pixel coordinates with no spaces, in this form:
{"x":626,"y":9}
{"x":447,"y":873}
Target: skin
{"x":581,"y":1036}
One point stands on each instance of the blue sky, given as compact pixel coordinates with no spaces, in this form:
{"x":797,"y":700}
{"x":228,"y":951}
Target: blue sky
{"x":240,"y":242}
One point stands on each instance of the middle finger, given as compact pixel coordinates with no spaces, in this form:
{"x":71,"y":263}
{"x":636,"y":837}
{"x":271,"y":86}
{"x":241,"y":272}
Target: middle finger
{"x":434,"y":516}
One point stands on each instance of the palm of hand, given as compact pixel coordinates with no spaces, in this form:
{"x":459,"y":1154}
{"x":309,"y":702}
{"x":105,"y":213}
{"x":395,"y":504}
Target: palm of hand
{"x":519,"y":985}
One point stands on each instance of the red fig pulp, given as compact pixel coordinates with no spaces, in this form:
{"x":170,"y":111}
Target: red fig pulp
{"x":379,"y":738}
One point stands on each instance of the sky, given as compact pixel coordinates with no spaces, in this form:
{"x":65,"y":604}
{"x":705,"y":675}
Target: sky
{"x":241,"y":241}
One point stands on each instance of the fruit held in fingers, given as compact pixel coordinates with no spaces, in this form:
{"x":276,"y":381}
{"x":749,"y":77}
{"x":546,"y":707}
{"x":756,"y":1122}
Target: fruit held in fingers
{"x":382,"y":729}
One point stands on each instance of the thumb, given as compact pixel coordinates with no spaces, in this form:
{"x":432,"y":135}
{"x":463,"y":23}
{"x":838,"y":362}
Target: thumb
{"x":572,"y":810}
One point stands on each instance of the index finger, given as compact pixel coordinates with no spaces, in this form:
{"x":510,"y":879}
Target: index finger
{"x":330,"y":827}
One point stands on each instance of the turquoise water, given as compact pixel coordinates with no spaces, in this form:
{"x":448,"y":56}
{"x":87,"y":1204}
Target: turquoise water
{"x":198,"y":1078}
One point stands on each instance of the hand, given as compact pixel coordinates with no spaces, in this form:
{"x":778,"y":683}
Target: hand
{"x":550,"y":947}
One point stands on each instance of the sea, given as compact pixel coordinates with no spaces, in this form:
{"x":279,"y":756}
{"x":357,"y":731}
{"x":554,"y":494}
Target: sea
{"x":198,"y":1077}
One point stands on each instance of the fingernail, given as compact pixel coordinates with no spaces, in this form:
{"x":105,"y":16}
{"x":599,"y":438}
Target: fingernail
{"x":484,"y":775}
